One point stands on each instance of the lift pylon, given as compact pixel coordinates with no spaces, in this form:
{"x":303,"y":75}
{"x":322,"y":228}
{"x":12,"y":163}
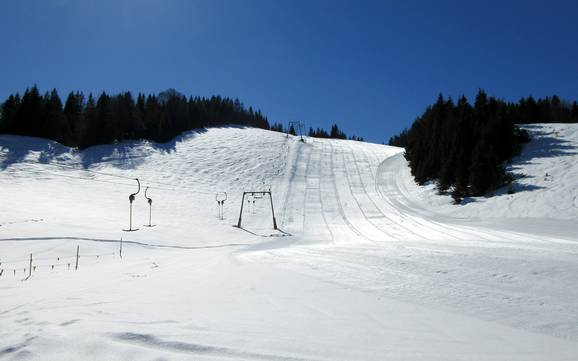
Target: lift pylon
{"x":131,"y":199}
{"x":253,"y":193}
{"x":150,"y":202}
{"x":221,"y":197}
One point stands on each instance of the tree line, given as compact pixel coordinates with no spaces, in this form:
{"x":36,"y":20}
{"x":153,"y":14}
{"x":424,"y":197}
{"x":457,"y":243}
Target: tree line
{"x":464,"y":148}
{"x":333,"y":133}
{"x":84,"y":121}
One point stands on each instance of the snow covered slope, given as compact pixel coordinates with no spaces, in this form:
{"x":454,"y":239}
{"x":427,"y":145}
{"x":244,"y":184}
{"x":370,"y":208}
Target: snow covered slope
{"x":545,"y":185}
{"x":365,"y":264}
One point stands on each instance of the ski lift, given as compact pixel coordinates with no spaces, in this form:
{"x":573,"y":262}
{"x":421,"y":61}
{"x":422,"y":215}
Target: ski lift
{"x":251,"y":200}
{"x":131,"y":199}
{"x":150,"y":201}
{"x":221,"y":197}
{"x":252,"y":194}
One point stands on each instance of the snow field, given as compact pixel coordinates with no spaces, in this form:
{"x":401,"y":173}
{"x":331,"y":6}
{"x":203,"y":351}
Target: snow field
{"x":365,"y":266}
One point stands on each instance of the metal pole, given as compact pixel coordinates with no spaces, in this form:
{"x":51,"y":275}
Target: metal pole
{"x":30,"y":270}
{"x":120,"y":252}
{"x":150,"y":213}
{"x":130,"y":219}
{"x":273,"y":211}
{"x":241,"y":212}
{"x":77,"y":252}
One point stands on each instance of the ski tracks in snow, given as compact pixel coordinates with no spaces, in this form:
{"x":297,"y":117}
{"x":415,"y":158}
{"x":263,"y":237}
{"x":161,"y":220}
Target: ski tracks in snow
{"x":353,"y":205}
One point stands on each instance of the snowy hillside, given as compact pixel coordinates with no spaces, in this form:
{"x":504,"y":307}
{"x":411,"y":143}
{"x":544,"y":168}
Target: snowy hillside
{"x":545,"y":185}
{"x":365,"y":264}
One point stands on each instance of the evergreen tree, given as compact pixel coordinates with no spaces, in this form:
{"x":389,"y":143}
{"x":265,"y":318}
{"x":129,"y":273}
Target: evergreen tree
{"x":87,"y":127}
{"x":125,"y":116}
{"x":105,"y":127}
{"x":463,"y":148}
{"x":30,"y":117}
{"x":55,"y":123}
{"x":336,"y":133}
{"x":152,"y":118}
{"x":73,"y":112}
{"x":9,"y":115}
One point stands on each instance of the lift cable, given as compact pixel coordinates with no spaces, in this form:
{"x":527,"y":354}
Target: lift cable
{"x":171,"y":187}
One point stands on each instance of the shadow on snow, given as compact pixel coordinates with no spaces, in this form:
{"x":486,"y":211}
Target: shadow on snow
{"x":127,"y":154}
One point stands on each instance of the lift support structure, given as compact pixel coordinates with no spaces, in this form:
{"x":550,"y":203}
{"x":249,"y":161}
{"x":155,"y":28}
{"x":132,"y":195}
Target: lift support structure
{"x":261,"y":193}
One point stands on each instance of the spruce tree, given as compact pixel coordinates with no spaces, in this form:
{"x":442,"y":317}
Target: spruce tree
{"x":73,"y":111}
{"x":30,"y":118}
{"x":9,"y":115}
{"x":56,"y":125}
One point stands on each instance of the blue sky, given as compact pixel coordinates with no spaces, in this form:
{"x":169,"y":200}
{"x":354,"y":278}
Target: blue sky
{"x":370,"y":66}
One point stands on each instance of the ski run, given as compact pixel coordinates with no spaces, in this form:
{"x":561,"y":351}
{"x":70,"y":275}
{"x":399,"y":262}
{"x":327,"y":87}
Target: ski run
{"x":364,"y":265}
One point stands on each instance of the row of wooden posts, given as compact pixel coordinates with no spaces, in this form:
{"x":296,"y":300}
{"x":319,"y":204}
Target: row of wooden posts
{"x":32,"y":267}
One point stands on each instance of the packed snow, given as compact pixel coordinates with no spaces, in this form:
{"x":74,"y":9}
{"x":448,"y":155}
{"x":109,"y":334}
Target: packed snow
{"x":364,"y":265}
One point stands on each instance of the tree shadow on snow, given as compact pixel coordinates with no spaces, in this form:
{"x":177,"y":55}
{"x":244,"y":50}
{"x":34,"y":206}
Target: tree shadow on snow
{"x":16,"y":148}
{"x":127,"y":154}
{"x":517,"y":188}
{"x":544,"y":145}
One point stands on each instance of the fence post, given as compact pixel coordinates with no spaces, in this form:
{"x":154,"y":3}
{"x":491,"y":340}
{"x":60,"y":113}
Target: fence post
{"x":120,"y":252}
{"x":77,"y":252}
{"x":30,"y":270}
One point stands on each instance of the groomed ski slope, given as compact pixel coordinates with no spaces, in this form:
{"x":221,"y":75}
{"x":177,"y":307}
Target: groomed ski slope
{"x":366,"y":264}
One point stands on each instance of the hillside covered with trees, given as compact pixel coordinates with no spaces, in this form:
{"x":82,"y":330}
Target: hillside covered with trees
{"x":464,"y":148}
{"x":83,"y":121}
{"x":86,"y":121}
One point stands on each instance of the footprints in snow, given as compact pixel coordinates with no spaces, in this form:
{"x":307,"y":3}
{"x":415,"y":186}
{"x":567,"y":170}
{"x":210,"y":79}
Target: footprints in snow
{"x":68,"y":323}
{"x":24,"y":221}
{"x":502,"y":277}
{"x":19,"y":347}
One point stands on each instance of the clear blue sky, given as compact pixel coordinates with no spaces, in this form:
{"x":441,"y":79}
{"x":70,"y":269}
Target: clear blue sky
{"x":370,"y":66}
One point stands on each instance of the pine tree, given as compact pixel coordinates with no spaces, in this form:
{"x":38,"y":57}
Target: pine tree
{"x":73,"y":111}
{"x":104,"y":130}
{"x":30,"y":118}
{"x":86,"y":129}
{"x":56,"y":125}
{"x":9,"y":115}
{"x":124,"y":114}
{"x":574,"y":113}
